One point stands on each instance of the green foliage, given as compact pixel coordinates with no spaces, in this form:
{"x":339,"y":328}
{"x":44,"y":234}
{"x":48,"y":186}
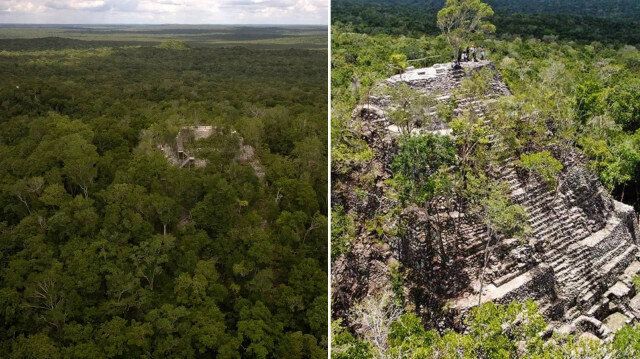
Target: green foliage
{"x":471,"y":137}
{"x":397,"y":282}
{"x":623,"y":103}
{"x":477,"y":85}
{"x":345,"y":346}
{"x":464,"y":21}
{"x":588,"y":100}
{"x":615,"y":156}
{"x":173,"y":45}
{"x":496,"y":331}
{"x":626,"y":342}
{"x":574,"y":84}
{"x":342,"y":231}
{"x":543,"y":164}
{"x":409,"y":109}
{"x":399,"y":62}
{"x":110,"y":251}
{"x":502,"y":216}
{"x":636,"y":282}
{"x":498,"y":328}
{"x":567,"y":94}
{"x":417,"y":164}
{"x":611,"y":21}
{"x":352,"y":152}
{"x":407,"y":337}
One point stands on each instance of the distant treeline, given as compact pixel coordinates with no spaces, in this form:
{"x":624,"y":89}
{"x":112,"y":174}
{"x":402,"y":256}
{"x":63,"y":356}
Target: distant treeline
{"x":53,"y":42}
{"x":21,"y":37}
{"x":586,"y":21}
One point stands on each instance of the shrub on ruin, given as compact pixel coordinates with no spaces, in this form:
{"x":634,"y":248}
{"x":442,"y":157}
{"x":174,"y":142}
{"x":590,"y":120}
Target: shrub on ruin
{"x":345,"y":346}
{"x":418,"y":161}
{"x":342,"y":231}
{"x":626,"y":343}
{"x":544,"y":165}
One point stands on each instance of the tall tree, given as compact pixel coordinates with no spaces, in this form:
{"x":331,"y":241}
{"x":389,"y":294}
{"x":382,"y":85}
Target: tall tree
{"x":499,"y":214}
{"x":421,"y":174}
{"x":464,"y":21}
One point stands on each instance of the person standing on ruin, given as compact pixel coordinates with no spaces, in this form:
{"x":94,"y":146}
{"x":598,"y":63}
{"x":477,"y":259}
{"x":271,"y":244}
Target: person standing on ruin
{"x":483,"y":55}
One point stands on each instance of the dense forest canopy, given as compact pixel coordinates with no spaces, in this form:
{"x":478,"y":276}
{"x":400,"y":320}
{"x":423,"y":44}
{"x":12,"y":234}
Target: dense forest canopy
{"x":107,"y":250}
{"x":305,"y":37}
{"x":574,"y":79}
{"x":625,"y":9}
{"x":586,"y":20}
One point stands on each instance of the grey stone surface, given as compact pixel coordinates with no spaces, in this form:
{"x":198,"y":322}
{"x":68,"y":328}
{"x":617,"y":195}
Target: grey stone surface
{"x":619,"y":290}
{"x":580,"y":251}
{"x":616,"y":321}
{"x":634,"y":303}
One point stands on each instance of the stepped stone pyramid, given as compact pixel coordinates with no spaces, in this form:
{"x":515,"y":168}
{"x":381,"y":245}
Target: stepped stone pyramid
{"x":577,"y":262}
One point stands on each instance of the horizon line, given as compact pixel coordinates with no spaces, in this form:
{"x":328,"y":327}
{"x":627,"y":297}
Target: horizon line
{"x":160,"y":24}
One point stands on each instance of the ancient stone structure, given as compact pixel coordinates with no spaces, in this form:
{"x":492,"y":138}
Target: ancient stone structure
{"x":187,"y":134}
{"x":182,"y":155}
{"x":178,"y":154}
{"x":578,"y":260}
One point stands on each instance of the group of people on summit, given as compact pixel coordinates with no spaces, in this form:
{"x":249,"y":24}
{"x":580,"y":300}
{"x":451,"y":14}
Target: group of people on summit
{"x":471,"y":54}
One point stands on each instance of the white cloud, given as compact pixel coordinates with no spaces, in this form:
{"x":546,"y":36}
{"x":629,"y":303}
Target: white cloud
{"x":165,"y":11}
{"x":21,"y":6}
{"x":76,"y":5}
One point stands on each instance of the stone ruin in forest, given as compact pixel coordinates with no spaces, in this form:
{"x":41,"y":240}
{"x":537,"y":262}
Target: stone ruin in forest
{"x":177,"y":153}
{"x":182,"y":153}
{"x":577,"y":262}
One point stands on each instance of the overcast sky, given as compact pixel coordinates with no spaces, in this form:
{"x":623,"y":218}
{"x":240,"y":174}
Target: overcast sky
{"x":164,"y":11}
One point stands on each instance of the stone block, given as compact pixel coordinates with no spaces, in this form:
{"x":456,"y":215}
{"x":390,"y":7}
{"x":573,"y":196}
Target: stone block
{"x":634,"y":303}
{"x":619,"y":290}
{"x":615,"y":321}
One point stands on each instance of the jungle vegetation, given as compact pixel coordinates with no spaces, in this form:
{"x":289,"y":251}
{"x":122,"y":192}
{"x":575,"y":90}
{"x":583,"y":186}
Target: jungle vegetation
{"x":493,"y":331}
{"x":109,"y":251}
{"x":579,"y":80}
{"x":611,"y":21}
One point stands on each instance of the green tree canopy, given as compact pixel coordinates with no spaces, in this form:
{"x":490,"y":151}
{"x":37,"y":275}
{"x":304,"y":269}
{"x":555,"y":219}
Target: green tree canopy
{"x":418,"y":161}
{"x":464,"y":21}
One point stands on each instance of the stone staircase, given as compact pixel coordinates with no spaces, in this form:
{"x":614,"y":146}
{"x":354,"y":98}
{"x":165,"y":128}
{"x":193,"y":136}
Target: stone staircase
{"x":586,"y":257}
{"x":580,"y":243}
{"x":557,"y":222}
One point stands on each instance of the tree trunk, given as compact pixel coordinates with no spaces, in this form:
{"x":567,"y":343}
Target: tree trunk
{"x":25,"y":203}
{"x":438,"y":232}
{"x":458,"y":221}
{"x":484,"y":265}
{"x":443,"y":253}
